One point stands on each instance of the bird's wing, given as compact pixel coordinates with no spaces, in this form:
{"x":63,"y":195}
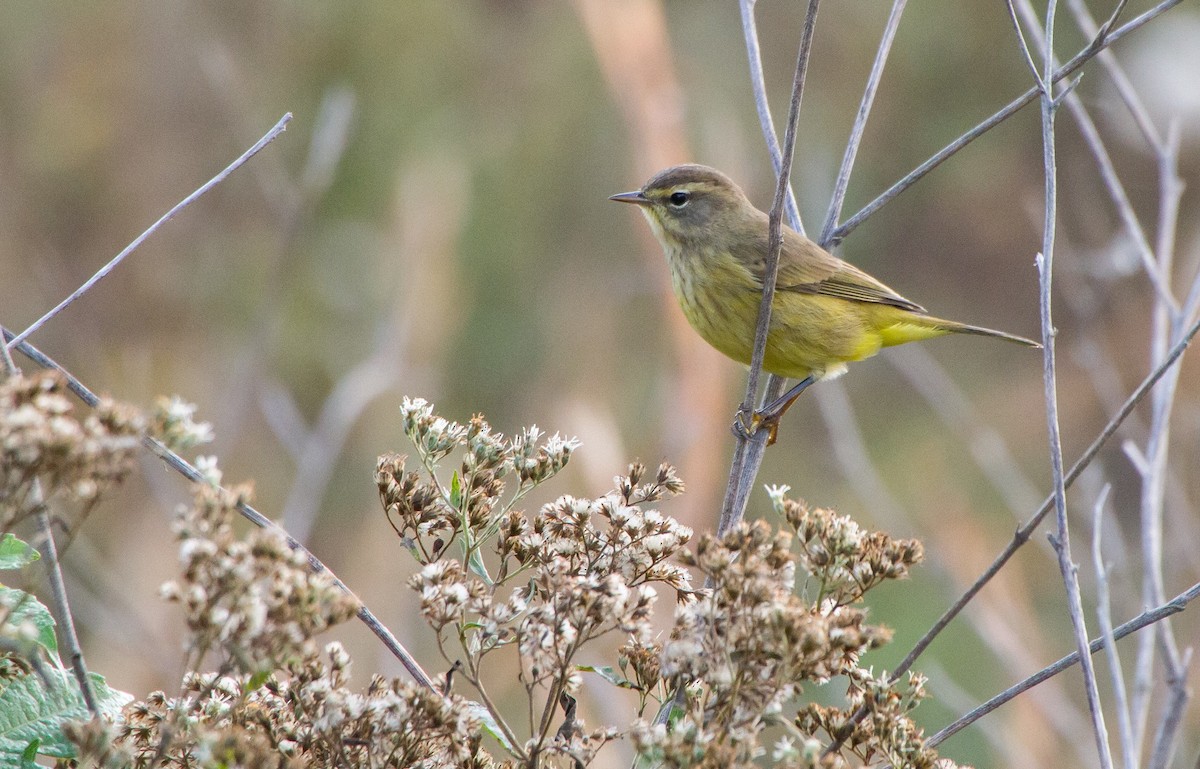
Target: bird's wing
{"x":806,"y":268}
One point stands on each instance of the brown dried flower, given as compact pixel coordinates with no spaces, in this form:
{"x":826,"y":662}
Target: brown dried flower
{"x":41,"y":436}
{"x":255,"y":599}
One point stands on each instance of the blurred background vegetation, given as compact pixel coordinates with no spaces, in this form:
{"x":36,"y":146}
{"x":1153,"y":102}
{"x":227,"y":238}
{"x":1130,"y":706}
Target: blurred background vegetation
{"x":434,"y":223}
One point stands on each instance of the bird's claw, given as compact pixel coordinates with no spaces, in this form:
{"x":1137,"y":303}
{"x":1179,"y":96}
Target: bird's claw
{"x":747,"y":423}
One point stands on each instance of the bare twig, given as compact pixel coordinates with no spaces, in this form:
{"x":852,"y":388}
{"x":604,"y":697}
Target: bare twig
{"x":1168,"y":320}
{"x":1024,"y":44}
{"x":731,"y":513}
{"x":1174,"y":606}
{"x":775,"y":222}
{"x":62,"y":606}
{"x":1101,"y":42}
{"x":187,"y":470}
{"x":1166,"y":737}
{"x":759,"y":87}
{"x":1045,"y":263}
{"x":106,"y":269}
{"x":1166,"y":324}
{"x":1104,"y":617}
{"x":860,"y":120}
{"x":1133,"y":102}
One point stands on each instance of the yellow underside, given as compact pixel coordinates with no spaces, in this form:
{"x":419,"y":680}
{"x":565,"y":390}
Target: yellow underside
{"x":809,"y":334}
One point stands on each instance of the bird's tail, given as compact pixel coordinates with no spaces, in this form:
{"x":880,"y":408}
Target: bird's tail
{"x":954,"y":327}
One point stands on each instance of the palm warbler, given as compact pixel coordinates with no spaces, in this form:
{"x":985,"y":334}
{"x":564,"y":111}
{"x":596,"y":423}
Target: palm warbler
{"x":826,"y":312}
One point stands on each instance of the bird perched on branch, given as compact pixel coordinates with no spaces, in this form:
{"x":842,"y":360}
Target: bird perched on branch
{"x":826,"y":312}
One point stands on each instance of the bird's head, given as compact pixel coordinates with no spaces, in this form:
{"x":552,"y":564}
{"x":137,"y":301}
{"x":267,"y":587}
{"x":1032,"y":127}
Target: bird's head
{"x":691,"y":203}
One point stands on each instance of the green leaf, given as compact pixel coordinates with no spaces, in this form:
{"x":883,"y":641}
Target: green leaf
{"x":31,"y":712}
{"x":654,"y":757}
{"x":478,"y":567}
{"x":29,"y":757}
{"x":608,"y":673}
{"x":257,"y":680}
{"x":455,"y":490}
{"x":23,"y":607}
{"x":480,"y":711}
{"x":15,"y":553}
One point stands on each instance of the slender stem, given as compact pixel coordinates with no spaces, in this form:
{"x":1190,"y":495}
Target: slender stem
{"x":1104,"y":615}
{"x":747,"y":458}
{"x":58,"y":589}
{"x":1129,"y":95}
{"x":1045,"y":262}
{"x":860,"y":120}
{"x":1166,"y":325}
{"x":106,"y":269}
{"x":775,"y":221}
{"x":1025,"y":52}
{"x":759,"y":87}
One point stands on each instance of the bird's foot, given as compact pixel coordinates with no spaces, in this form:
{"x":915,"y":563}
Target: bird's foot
{"x":747,"y":423}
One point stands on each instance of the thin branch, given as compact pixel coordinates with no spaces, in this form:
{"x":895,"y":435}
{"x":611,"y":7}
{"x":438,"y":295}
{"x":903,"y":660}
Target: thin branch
{"x":187,"y":470}
{"x":1101,"y":42}
{"x":1166,"y":738}
{"x":758,"y":85}
{"x":168,"y":216}
{"x":58,"y":591}
{"x":740,"y":485}
{"x":1165,"y":325}
{"x":1024,"y":44}
{"x":860,"y":120}
{"x":748,"y":455}
{"x":1104,"y":617}
{"x":1174,"y":606}
{"x":1116,"y":191}
{"x":1129,"y":95}
{"x":1045,"y":263}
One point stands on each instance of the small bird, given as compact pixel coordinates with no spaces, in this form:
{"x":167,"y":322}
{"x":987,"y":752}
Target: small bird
{"x":826,"y":312}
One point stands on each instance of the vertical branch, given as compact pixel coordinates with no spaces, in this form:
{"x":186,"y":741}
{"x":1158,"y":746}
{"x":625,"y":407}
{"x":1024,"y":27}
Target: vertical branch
{"x":58,"y":590}
{"x":758,"y":85}
{"x":1167,"y":323}
{"x":1045,"y":263}
{"x":1104,"y":616}
{"x":860,"y":121}
{"x":748,"y":456}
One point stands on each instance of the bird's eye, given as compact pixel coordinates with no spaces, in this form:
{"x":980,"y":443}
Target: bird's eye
{"x":679,"y":198}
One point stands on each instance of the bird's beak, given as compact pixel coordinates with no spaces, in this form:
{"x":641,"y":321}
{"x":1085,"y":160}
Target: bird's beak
{"x":636,"y":197}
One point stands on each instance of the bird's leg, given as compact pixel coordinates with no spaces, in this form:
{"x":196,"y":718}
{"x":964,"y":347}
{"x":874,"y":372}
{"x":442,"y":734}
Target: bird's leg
{"x":745,"y":425}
